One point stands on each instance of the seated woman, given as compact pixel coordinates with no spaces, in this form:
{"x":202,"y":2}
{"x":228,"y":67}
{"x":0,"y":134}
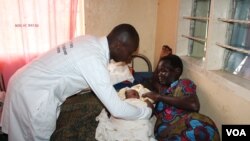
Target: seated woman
{"x":177,"y":106}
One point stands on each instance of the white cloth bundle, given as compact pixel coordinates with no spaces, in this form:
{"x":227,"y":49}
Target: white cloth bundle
{"x":119,"y":72}
{"x":113,"y":129}
{"x":139,"y":88}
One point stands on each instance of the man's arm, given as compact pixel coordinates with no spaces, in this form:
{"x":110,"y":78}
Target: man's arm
{"x":97,"y":76}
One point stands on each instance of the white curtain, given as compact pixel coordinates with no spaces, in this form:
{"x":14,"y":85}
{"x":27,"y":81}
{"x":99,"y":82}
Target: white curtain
{"x":31,"y":27}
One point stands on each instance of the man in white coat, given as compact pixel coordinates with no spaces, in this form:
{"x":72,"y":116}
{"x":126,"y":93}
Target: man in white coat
{"x":37,"y":90}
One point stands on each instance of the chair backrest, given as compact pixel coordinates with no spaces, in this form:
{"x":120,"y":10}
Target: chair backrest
{"x":140,"y":63}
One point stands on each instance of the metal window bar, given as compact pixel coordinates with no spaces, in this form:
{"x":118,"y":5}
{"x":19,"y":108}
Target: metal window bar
{"x":195,"y":38}
{"x":196,"y":18}
{"x":234,"y":21}
{"x":234,"y":48}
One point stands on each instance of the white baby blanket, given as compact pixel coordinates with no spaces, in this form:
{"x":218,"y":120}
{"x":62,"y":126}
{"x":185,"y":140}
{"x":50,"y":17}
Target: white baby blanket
{"x":119,"y":72}
{"x":113,"y":129}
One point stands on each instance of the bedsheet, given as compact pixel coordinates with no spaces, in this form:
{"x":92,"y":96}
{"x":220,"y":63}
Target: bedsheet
{"x":76,"y":121}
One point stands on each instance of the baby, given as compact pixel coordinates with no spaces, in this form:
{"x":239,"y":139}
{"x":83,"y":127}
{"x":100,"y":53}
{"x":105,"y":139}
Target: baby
{"x":114,"y":129}
{"x":131,"y":93}
{"x":132,"y":96}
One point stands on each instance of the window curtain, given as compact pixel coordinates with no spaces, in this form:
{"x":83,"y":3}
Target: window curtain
{"x":30,"y":28}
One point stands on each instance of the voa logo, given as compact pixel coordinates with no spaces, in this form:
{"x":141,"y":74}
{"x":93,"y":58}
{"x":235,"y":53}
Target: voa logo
{"x":236,"y":132}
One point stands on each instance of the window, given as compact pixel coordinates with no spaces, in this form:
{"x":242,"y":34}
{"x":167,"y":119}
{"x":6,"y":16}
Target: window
{"x":217,"y":34}
{"x":80,"y":17}
{"x":198,"y":28}
{"x":236,"y":61}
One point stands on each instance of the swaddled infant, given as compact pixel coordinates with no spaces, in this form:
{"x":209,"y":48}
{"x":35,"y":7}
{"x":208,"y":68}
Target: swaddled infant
{"x":132,"y":96}
{"x":114,"y":129}
{"x":131,"y":93}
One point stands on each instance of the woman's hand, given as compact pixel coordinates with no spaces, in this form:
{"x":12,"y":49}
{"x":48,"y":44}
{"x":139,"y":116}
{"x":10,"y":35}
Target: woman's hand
{"x":152,"y":95}
{"x":150,"y":105}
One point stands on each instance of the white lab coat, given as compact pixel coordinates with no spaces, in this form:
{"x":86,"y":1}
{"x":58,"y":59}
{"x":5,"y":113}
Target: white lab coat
{"x":36,"y":91}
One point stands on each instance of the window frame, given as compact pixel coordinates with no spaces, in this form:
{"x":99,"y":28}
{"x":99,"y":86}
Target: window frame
{"x":217,"y":36}
{"x":192,"y":39}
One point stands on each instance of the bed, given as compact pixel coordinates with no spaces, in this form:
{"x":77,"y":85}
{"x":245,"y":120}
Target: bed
{"x":77,"y":122}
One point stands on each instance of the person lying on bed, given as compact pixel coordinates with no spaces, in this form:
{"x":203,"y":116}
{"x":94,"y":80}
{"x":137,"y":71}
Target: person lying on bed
{"x":111,"y":128}
{"x":36,"y":92}
{"x":177,"y":106}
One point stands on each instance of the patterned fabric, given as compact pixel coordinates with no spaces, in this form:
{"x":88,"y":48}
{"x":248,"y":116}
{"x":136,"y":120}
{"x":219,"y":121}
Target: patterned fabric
{"x":77,"y":120}
{"x":180,"y":125}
